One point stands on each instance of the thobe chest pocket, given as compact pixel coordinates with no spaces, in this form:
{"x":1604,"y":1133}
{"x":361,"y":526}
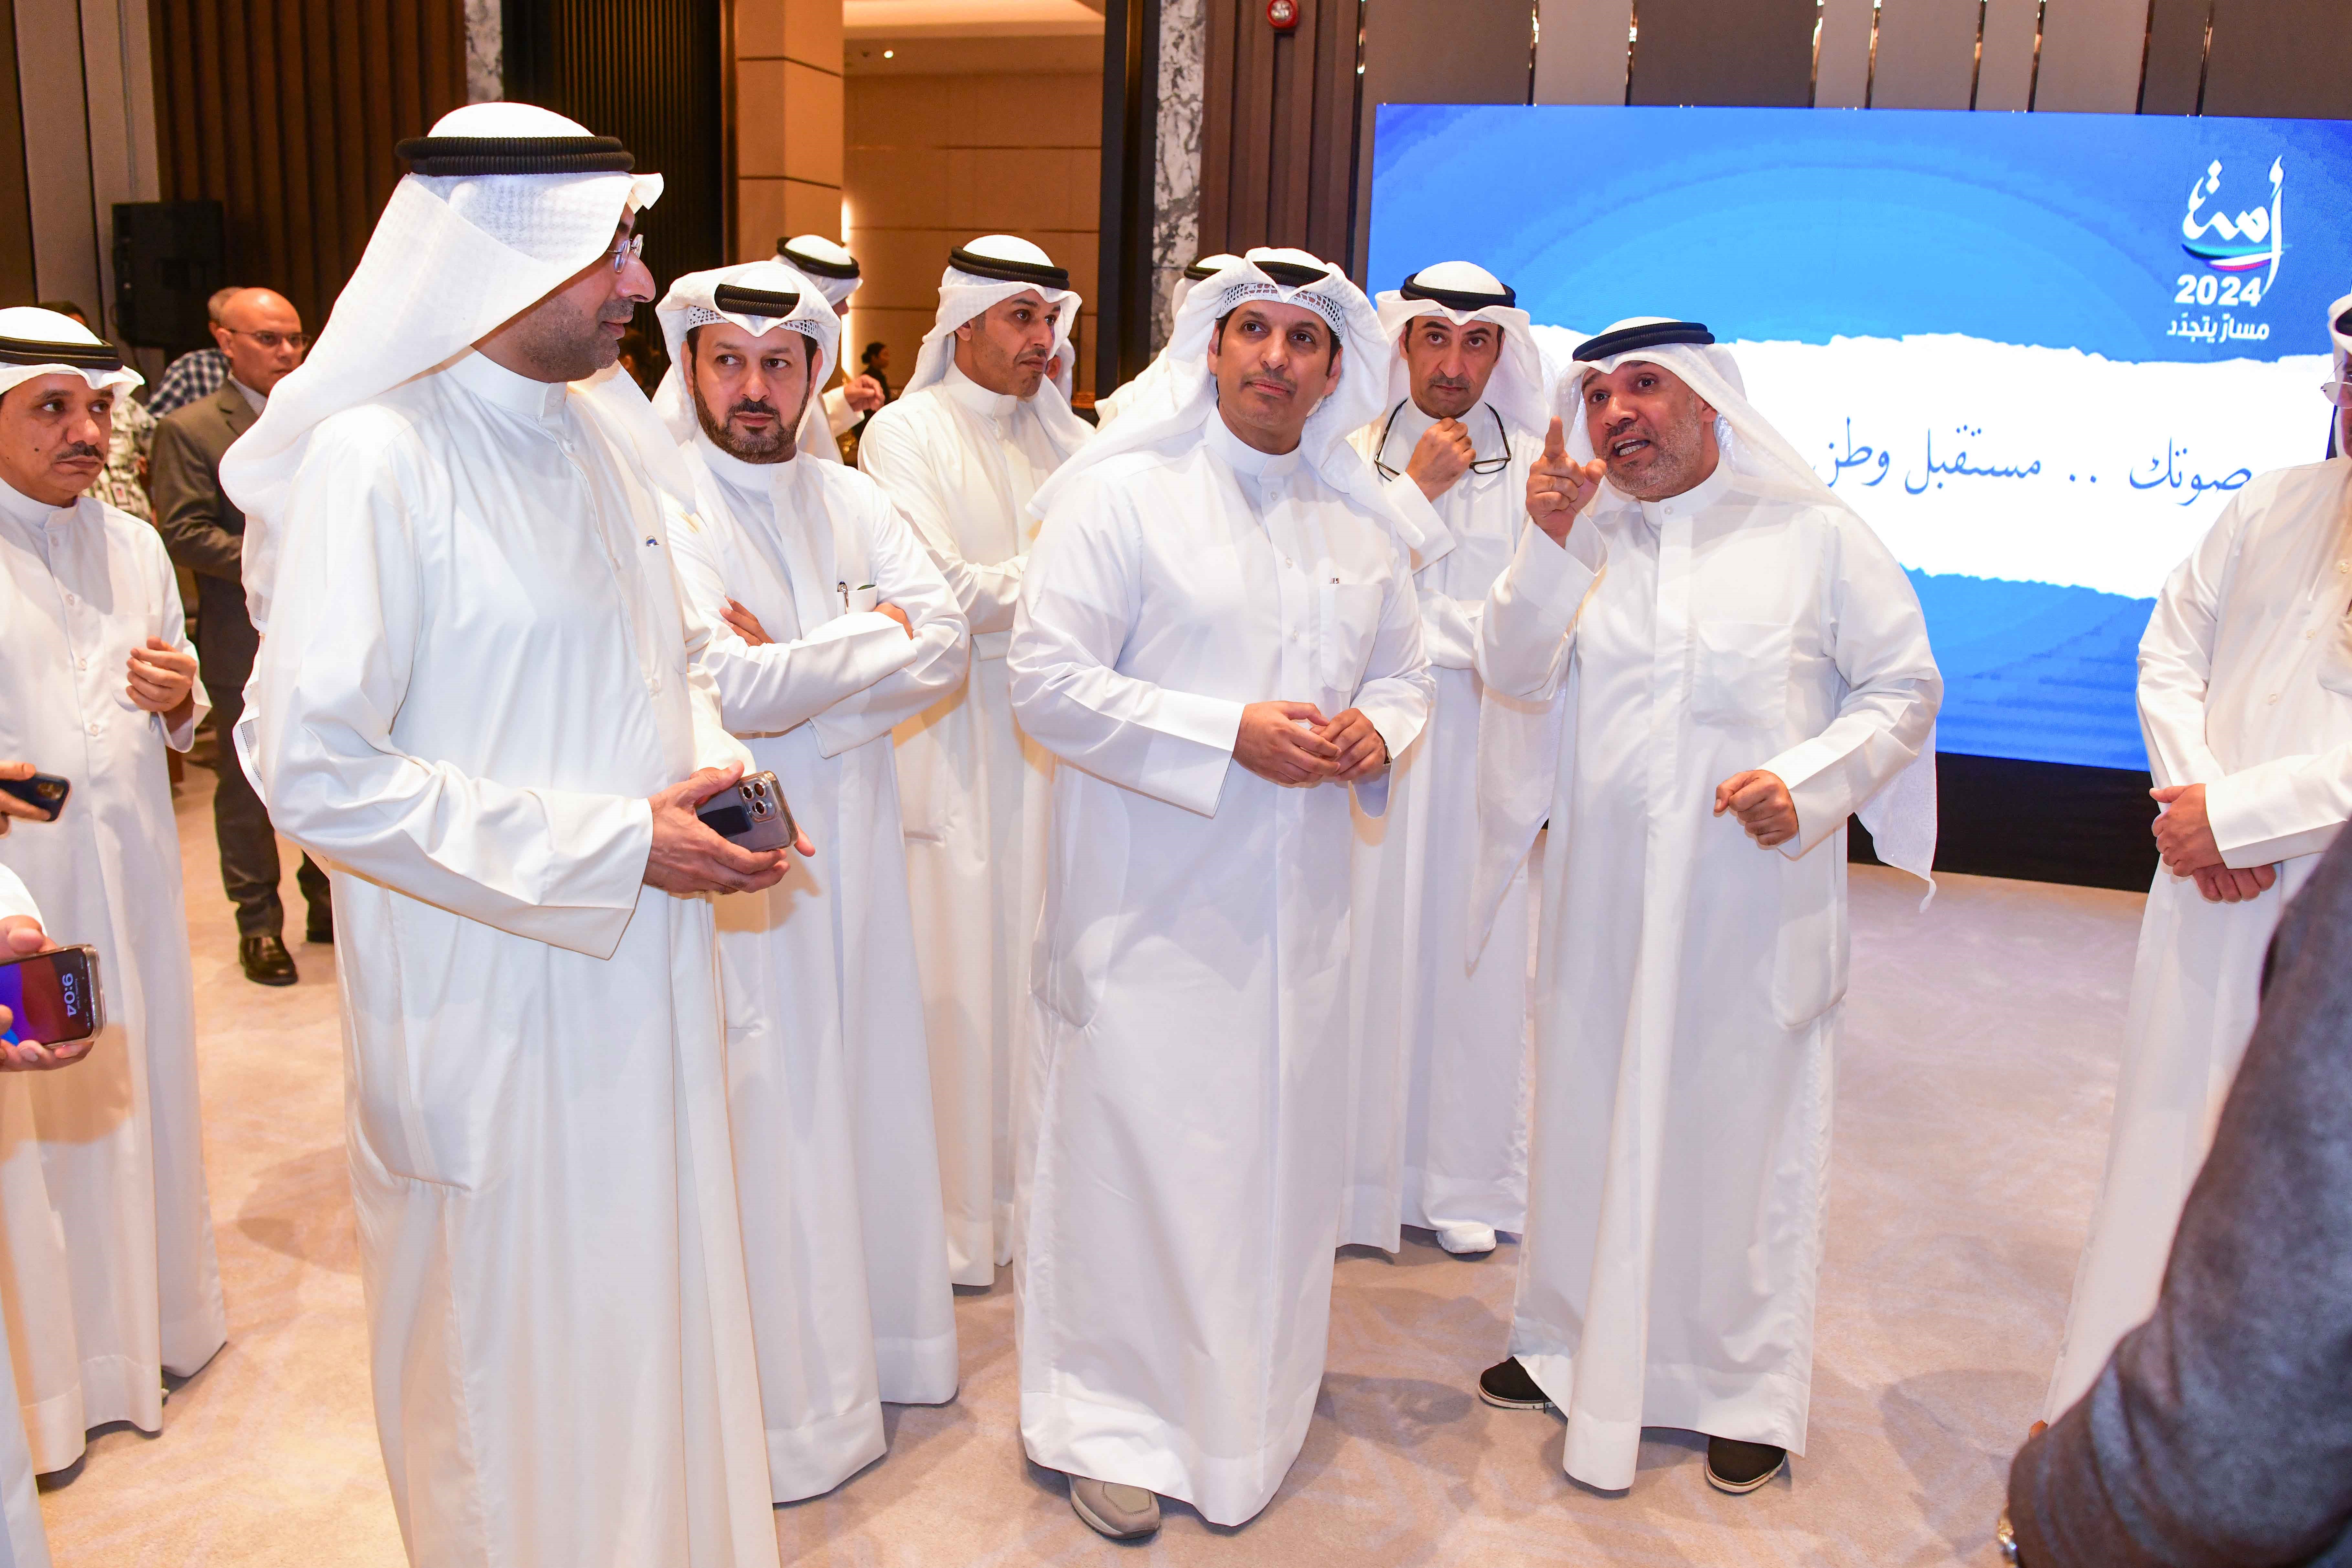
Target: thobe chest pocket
{"x":1348,"y":614}
{"x":1739,"y":677}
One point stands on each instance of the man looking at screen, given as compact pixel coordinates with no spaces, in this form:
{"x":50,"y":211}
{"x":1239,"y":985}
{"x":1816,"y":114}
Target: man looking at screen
{"x":2245,"y":699}
{"x":1699,"y":664}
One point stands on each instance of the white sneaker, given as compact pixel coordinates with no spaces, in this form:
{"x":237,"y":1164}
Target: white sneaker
{"x":1466,"y":1240}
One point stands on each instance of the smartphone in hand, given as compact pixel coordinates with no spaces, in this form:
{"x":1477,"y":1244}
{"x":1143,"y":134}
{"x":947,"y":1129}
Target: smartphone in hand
{"x":52,"y":998}
{"x":45,"y":793}
{"x":752,"y":814}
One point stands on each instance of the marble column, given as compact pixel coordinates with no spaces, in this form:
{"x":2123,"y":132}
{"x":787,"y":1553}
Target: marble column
{"x":1176,"y":181}
{"x":485,"y":51}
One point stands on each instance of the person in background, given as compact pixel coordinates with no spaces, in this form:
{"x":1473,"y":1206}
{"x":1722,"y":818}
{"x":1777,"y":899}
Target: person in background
{"x":2220,"y":1432}
{"x":107,"y":1260}
{"x":982,"y":423}
{"x":199,"y":372}
{"x":260,"y":336}
{"x":122,"y":484}
{"x":641,"y":360}
{"x":875,"y":361}
{"x":837,"y":410}
{"x":2245,"y":698}
{"x":1442,"y":1076}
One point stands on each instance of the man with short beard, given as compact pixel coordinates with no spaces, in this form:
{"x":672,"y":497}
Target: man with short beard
{"x":1441,"y":1134}
{"x":1218,"y":636}
{"x":981,"y":425}
{"x":1699,"y":663}
{"x":828,"y":624}
{"x":477,"y":701}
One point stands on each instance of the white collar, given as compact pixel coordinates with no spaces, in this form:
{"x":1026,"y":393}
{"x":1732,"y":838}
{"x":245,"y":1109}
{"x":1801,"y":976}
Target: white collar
{"x":997,"y":405}
{"x":1243,"y":458}
{"x":19,"y":508}
{"x":751,"y":479}
{"x":1694,"y":501}
{"x":540,"y":402}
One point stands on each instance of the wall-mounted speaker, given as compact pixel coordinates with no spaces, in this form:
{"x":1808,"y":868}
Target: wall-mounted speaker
{"x":168,"y":257}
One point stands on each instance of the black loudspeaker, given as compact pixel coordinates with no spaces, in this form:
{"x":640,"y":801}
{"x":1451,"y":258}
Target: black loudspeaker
{"x":168,"y":257}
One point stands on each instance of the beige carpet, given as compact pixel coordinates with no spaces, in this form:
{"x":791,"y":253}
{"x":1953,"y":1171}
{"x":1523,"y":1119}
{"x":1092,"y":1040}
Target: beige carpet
{"x":1977,"y":1071}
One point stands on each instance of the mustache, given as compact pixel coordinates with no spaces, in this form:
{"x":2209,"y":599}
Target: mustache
{"x":755,"y":406}
{"x":80,"y":449}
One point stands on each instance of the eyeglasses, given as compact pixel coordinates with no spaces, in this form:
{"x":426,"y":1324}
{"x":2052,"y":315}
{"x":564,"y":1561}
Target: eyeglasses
{"x":2339,"y":392}
{"x":628,"y":251}
{"x":298,"y":342}
{"x":1480,"y":466}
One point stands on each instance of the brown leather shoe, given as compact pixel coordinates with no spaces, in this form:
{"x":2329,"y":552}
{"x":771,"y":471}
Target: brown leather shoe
{"x":1120,"y":1512}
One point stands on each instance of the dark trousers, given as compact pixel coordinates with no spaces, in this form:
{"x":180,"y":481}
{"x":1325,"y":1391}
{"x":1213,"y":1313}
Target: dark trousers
{"x":248,"y":845}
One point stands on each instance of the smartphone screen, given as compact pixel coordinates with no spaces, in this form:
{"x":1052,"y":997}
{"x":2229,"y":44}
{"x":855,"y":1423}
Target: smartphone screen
{"x":51,"y":998}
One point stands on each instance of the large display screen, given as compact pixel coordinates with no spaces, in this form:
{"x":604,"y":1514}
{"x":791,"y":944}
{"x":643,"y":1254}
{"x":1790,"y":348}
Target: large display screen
{"x":2039,"y":352}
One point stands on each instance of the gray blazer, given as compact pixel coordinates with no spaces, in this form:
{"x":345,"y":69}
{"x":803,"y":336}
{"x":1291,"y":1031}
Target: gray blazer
{"x":2220,"y":1430}
{"x":204,"y":529}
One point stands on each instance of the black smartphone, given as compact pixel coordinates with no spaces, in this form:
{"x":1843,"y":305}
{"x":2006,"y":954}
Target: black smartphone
{"x":752,"y":814}
{"x":52,"y":998}
{"x":45,"y":793}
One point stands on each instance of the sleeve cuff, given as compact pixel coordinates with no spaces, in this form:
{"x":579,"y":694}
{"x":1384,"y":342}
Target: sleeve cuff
{"x":1195,"y":745}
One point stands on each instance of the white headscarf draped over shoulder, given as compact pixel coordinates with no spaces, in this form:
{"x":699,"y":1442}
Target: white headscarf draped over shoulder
{"x":823,"y":263}
{"x":1518,"y":742}
{"x":1147,"y":382}
{"x":757,"y":296}
{"x":502,"y":202}
{"x":38,"y":342}
{"x":1188,"y":398}
{"x":993,"y":268}
{"x":1462,"y":293}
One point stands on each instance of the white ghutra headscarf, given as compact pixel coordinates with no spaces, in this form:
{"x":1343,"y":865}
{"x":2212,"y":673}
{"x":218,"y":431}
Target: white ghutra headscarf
{"x":502,"y":202}
{"x":1141,"y":389}
{"x":1462,"y":293}
{"x":823,"y":263}
{"x":757,"y":296}
{"x":36,"y":342}
{"x":1186,"y":399}
{"x":990,"y":269}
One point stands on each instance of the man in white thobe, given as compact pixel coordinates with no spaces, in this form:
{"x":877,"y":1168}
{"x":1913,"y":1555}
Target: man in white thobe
{"x":836,"y":274}
{"x":107,"y":1273}
{"x":2245,"y":699}
{"x":1216,"y":633}
{"x":475,"y":700}
{"x":978,"y":427}
{"x":827,"y":625}
{"x":1442,"y":1042}
{"x":24,"y":1544}
{"x":1699,"y":663}
{"x":1160,"y":379}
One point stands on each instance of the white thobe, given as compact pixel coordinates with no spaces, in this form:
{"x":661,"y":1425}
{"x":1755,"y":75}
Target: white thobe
{"x":1174,"y":1272}
{"x":2245,"y":687}
{"x":110,"y":1276}
{"x":1689,"y":981}
{"x":23,"y":1541}
{"x":962,"y":462}
{"x":828,"y":1082}
{"x":475,"y":675}
{"x":1442,"y":1061}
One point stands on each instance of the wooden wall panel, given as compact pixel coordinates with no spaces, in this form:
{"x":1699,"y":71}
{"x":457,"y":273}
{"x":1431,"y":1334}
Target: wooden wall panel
{"x":2091,"y":51}
{"x":1724,"y":52}
{"x":285,"y":111}
{"x":1582,"y":57}
{"x":1278,"y":128}
{"x":2286,"y":58}
{"x":17,"y":283}
{"x":1926,"y":54}
{"x":2174,"y":74}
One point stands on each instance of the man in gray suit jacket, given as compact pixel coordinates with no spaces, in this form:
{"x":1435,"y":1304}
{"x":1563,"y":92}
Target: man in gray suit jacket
{"x":261,"y":336}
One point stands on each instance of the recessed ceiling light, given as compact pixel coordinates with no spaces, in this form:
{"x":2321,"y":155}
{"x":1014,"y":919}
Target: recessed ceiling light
{"x":889,"y":54}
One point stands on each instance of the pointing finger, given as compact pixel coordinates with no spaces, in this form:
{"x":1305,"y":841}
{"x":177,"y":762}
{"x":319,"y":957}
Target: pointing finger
{"x":1556,"y":442}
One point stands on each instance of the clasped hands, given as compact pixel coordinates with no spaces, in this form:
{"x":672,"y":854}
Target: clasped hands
{"x":1291,"y":743}
{"x":2184,"y":836}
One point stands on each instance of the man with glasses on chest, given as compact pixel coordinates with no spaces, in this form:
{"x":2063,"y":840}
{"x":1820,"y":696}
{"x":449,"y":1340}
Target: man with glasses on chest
{"x":1440,"y":1137}
{"x":260,"y":335}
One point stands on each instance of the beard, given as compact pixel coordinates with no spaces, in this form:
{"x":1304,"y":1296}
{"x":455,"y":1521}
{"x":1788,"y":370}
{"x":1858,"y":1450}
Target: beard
{"x":774,"y":445}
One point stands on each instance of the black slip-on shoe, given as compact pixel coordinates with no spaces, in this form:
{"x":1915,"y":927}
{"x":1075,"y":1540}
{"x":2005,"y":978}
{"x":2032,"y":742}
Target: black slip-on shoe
{"x":1737,"y":1467}
{"x":265,"y":961}
{"x":1506,"y":1385}
{"x":320,"y":926}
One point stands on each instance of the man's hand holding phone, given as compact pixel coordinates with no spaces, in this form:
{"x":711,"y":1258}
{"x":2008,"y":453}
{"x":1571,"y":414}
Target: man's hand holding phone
{"x":21,"y":936}
{"x":689,"y":857}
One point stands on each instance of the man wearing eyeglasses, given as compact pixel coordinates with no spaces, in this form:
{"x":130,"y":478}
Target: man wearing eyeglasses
{"x":1441,"y":1113}
{"x":260,"y":335}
